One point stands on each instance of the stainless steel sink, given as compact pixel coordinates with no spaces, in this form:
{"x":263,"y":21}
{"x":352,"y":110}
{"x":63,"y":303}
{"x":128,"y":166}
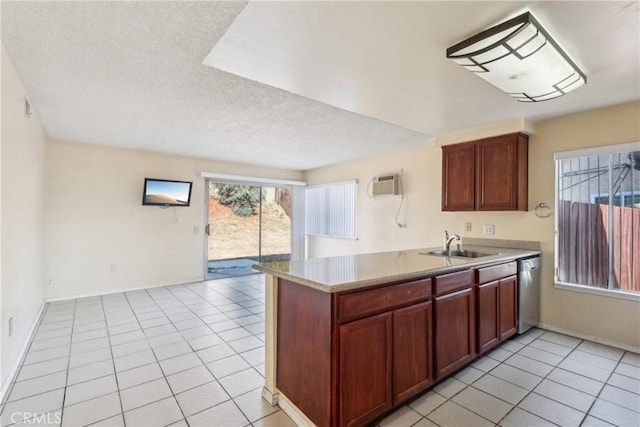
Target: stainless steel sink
{"x":462,"y":253}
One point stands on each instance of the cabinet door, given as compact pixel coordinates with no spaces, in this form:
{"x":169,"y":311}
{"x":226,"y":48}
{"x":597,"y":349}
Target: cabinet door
{"x":454,"y":331}
{"x":365,"y":369}
{"x":488,"y":302}
{"x":508,"y":307}
{"x":412,"y":358}
{"x":501,"y":173}
{"x":458,"y":177}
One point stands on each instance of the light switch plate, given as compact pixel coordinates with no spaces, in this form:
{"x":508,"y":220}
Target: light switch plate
{"x":489,"y":229}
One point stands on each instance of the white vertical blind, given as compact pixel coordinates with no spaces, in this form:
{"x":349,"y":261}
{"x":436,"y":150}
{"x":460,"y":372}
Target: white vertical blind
{"x":331,"y":210}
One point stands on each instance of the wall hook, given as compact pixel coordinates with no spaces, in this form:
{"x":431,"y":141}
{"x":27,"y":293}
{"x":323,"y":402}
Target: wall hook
{"x":542,"y":210}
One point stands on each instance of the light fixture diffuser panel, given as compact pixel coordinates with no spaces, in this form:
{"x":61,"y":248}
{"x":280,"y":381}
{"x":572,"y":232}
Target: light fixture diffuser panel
{"x":520,"y":58}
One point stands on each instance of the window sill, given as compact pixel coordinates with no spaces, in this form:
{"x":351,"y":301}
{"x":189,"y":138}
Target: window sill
{"x":597,"y":291}
{"x":325,"y":236}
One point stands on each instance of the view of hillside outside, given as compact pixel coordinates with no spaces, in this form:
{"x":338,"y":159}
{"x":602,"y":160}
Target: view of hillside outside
{"x":248,"y":223}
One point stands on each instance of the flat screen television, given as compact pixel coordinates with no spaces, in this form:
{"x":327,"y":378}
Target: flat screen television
{"x":162,"y":192}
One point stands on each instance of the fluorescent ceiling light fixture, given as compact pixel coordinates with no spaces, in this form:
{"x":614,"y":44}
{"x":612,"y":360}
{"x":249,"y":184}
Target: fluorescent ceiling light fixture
{"x":520,"y":58}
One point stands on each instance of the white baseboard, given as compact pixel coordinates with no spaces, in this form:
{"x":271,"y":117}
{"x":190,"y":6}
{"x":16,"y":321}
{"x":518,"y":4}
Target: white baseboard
{"x":595,"y":339}
{"x":296,"y":415}
{"x":271,"y":398}
{"x":118,"y":291}
{"x":21,"y":355}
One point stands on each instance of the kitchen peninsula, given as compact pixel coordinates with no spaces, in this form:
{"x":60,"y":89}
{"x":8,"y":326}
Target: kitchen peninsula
{"x":348,"y":338}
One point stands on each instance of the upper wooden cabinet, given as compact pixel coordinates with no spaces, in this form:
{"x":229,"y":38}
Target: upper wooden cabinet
{"x":486,"y":175}
{"x":458,"y":177}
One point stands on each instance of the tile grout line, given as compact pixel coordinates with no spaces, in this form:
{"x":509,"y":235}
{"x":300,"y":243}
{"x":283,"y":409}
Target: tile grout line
{"x":182,"y":296}
{"x":164,"y":376}
{"x":249,"y":299}
{"x":193,"y":350}
{"x":66,"y":382}
{"x":489,"y":373}
{"x":113,"y":362}
{"x":5,"y":399}
{"x":216,"y":378}
{"x":529,"y":392}
{"x":605,"y":385}
{"x":252,"y":367}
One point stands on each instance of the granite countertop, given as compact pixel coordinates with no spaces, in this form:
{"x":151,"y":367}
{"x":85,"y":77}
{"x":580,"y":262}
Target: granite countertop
{"x":343,"y":273}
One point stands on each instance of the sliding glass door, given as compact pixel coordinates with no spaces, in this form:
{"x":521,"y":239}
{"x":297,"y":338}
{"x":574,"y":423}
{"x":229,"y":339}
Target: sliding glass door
{"x":247,"y":224}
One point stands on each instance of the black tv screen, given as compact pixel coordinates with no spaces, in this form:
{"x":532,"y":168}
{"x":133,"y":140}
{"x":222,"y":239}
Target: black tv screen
{"x":162,"y":192}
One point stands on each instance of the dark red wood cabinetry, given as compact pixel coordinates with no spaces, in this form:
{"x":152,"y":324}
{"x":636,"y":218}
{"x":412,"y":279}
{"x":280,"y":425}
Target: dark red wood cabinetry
{"x":489,"y":174}
{"x":508,"y":307}
{"x":365,"y":369}
{"x":488,"y":335}
{"x":412,"y":351}
{"x":458,"y":177}
{"x":347,"y":358}
{"x":384,"y":358}
{"x":304,"y":347}
{"x":497,"y":304}
{"x":454,"y":322}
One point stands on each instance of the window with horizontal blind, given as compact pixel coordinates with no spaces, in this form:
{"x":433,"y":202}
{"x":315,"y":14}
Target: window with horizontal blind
{"x":598,"y":219}
{"x":331,"y":210}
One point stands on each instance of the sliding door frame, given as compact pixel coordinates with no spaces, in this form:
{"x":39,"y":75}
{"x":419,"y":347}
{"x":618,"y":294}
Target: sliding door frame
{"x":298,"y":247}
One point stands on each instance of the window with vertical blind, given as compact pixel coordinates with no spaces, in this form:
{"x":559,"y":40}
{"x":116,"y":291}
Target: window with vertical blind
{"x":331,"y":210}
{"x":598,"y":219}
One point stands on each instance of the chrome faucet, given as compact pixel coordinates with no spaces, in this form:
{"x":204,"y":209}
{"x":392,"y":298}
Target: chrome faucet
{"x":448,"y":239}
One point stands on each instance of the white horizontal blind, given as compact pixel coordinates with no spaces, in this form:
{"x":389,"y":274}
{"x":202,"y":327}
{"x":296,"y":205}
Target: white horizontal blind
{"x":331,"y":210}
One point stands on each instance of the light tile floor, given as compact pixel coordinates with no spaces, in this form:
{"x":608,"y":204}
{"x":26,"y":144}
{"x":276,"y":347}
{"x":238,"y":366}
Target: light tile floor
{"x":193,"y":355}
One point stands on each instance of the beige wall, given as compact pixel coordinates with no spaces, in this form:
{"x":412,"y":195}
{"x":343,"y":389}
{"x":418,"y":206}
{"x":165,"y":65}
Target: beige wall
{"x":98,"y":236}
{"x":611,"y":319}
{"x":22,"y":191}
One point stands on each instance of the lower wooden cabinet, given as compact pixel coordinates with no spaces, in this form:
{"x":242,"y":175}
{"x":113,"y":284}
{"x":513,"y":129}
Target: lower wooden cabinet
{"x":454,"y":342}
{"x":347,"y":358}
{"x":488,"y":328}
{"x":365,"y":369}
{"x":412,"y":351}
{"x":384,"y":360}
{"x":508,"y":308}
{"x":497,"y":312}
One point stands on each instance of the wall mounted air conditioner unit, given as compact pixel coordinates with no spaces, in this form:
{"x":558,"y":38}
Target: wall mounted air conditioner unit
{"x":385,"y":185}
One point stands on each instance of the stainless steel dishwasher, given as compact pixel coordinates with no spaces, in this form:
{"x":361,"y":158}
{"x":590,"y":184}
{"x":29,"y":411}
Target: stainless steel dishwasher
{"x":529,"y":293}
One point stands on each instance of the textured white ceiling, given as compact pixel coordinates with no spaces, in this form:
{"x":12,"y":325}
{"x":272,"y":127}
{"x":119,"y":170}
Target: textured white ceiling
{"x":306,"y":84}
{"x":387,"y":59}
{"x":130,"y":74}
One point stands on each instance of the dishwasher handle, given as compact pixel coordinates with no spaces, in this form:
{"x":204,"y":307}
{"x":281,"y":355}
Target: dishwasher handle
{"x":529,"y":264}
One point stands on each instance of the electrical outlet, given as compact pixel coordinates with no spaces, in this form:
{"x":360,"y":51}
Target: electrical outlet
{"x":489,"y":229}
{"x":113,"y":267}
{"x":11,"y":326}
{"x":467,"y":226}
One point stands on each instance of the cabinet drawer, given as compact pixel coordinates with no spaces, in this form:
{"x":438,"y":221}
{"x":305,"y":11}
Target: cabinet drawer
{"x":358,"y":304}
{"x":452,"y":282}
{"x":489,"y":274}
